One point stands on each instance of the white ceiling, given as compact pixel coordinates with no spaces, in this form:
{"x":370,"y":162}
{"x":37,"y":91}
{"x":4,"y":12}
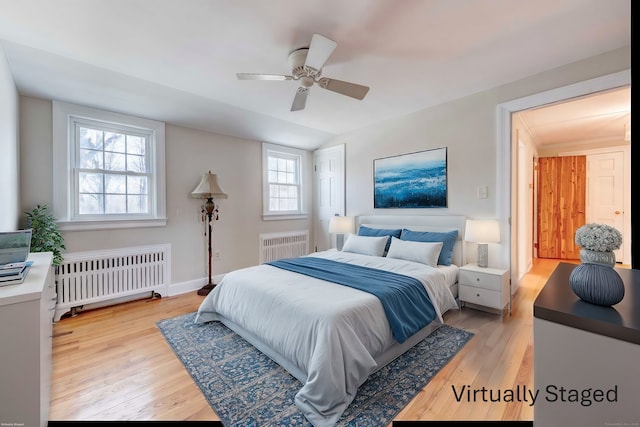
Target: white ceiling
{"x":177,"y":60}
{"x":590,"y":120}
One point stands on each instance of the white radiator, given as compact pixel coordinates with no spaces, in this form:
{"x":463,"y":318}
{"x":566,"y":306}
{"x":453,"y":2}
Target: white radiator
{"x":289,"y":244}
{"x":98,"y":276}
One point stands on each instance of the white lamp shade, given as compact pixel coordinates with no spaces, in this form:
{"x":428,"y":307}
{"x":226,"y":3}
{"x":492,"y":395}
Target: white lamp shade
{"x":341,"y":224}
{"x":208,"y":187}
{"x":482,"y":231}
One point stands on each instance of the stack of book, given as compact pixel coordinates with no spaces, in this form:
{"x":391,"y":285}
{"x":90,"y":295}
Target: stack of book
{"x":13,"y":273}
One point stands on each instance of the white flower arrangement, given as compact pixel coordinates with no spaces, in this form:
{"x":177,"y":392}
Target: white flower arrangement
{"x":598,"y":237}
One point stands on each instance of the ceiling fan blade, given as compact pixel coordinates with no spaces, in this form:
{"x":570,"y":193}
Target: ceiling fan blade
{"x":345,"y":88}
{"x":319,"y":51}
{"x":300,"y":100}
{"x":248,"y":76}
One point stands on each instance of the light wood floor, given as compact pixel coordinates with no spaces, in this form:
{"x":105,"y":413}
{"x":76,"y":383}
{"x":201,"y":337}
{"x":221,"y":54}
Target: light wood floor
{"x":112,"y":363}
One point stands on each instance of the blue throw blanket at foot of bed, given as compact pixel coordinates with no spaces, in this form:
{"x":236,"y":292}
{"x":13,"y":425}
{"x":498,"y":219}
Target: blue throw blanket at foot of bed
{"x":404,"y":299}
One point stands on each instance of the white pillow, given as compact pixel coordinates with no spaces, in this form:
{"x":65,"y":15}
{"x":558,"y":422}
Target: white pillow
{"x":422,"y":252}
{"x":365,"y":245}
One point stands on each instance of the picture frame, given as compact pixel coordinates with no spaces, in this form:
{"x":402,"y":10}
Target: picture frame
{"x":412,"y":180}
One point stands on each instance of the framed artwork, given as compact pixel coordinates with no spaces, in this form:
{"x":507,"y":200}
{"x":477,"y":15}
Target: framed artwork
{"x":414,"y":180}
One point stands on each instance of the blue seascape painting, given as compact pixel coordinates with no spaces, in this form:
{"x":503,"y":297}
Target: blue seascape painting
{"x":416,"y":180}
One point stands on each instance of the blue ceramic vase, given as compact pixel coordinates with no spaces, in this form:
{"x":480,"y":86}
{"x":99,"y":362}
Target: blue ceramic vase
{"x":595,"y":280}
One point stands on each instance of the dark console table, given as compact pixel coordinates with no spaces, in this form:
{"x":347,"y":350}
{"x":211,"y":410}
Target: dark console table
{"x":586,"y":357}
{"x":557,"y":303}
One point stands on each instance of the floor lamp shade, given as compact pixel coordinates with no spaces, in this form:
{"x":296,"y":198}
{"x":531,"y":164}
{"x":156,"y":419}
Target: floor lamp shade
{"x":209,"y":189}
{"x":482,"y":232}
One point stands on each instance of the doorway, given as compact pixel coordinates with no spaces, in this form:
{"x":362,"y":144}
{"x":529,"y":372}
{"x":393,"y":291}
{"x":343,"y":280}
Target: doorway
{"x":507,"y":186}
{"x":581,"y":148}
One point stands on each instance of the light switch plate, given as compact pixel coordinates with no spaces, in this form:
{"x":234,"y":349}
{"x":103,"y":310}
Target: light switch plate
{"x":483,"y":192}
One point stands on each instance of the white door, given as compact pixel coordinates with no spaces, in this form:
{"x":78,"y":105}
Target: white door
{"x":329,"y":191}
{"x":605,"y":193}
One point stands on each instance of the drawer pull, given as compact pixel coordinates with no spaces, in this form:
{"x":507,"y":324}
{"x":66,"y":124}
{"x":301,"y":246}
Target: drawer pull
{"x":477,"y":295}
{"x":477,"y":279}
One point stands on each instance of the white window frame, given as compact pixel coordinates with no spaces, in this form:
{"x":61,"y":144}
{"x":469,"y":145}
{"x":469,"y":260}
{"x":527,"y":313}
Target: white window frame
{"x":301,"y":157}
{"x":65,"y":188}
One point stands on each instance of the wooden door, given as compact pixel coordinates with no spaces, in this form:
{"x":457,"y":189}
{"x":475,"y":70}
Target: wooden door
{"x":561,"y":205}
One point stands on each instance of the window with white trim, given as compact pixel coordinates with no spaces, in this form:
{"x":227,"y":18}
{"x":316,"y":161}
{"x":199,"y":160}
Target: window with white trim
{"x":282,"y":181}
{"x":108,"y":169}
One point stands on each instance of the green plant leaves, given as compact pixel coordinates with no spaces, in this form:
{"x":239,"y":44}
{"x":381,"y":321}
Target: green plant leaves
{"x":45,"y":236}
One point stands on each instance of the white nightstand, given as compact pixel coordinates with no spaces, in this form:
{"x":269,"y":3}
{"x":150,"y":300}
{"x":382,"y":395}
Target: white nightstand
{"x":486,"y":287}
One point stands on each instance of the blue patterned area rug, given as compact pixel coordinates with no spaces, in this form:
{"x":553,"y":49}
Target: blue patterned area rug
{"x":246,"y":388}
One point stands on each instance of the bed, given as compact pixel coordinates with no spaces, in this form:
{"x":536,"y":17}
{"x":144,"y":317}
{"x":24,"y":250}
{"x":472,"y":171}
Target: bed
{"x":311,"y":317}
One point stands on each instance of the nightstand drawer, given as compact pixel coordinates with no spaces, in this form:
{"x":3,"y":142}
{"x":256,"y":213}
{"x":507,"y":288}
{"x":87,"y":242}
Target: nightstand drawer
{"x":480,"y":296}
{"x":481,"y":280}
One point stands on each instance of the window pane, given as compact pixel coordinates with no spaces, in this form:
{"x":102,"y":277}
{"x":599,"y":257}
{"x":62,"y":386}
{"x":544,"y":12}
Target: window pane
{"x":282,"y":165}
{"x":115,"y":184}
{"x":90,"y":138}
{"x":137,"y":185}
{"x":293,"y":205}
{"x":291,"y":165}
{"x":137,"y":204}
{"x":291,"y":178}
{"x":90,"y":182}
{"x":90,"y":204}
{"x":115,"y":204}
{"x":282,"y":177}
{"x":273,"y":190}
{"x":273,"y":176}
{"x":114,"y":142}
{"x":114,"y":161}
{"x":90,"y":159}
{"x":293,"y":192}
{"x":273,"y":163}
{"x":136,"y":164}
{"x":136,"y":145}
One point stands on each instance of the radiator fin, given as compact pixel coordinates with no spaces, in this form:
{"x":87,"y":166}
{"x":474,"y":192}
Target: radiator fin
{"x":98,"y":276}
{"x":290,"y":244}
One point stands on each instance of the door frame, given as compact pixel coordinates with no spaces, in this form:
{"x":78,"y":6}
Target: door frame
{"x":507,"y":155}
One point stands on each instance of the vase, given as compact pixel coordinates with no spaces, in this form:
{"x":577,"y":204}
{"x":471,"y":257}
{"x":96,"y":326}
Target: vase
{"x":595,"y":280}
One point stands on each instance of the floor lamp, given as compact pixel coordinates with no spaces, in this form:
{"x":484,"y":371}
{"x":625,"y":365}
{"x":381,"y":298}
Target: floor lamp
{"x":209,"y":189}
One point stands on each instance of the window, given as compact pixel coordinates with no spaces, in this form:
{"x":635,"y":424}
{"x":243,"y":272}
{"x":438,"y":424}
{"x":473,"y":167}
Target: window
{"x":108,"y":169}
{"x":282,"y":181}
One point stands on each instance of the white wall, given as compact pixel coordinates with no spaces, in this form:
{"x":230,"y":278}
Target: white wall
{"x":189,"y":154}
{"x":467,"y":127}
{"x":9,"y":149}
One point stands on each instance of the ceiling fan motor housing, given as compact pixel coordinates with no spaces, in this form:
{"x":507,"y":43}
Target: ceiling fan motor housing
{"x":297,"y":59}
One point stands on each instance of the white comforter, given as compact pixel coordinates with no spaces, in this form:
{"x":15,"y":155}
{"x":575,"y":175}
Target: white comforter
{"x":329,"y":331}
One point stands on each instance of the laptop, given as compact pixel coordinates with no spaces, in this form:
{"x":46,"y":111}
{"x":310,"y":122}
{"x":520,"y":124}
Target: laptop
{"x":14,"y":246}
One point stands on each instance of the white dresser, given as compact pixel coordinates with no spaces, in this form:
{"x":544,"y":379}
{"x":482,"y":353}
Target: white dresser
{"x":26,"y":314}
{"x":485,"y":287}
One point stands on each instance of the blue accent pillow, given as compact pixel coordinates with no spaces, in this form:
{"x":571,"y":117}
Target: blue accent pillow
{"x":448,"y":239}
{"x":377,"y":232}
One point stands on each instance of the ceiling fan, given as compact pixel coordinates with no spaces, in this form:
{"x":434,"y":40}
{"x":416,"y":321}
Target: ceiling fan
{"x":306,"y":66}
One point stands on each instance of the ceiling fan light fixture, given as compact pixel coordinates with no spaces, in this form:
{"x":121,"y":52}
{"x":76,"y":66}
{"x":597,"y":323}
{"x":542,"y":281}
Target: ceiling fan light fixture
{"x":306,"y":81}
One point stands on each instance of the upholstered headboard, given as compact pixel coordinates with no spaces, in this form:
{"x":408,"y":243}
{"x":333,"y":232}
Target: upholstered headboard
{"x":421,"y":223}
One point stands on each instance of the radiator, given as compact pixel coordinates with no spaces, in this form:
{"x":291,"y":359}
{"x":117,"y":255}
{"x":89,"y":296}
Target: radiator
{"x":98,"y":276}
{"x":289,"y":244}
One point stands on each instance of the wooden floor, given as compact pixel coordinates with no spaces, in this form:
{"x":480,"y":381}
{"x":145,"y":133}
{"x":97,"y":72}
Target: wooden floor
{"x":112,"y":363}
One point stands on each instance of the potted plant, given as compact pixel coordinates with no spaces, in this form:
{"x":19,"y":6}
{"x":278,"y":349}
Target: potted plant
{"x":45,"y":236}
